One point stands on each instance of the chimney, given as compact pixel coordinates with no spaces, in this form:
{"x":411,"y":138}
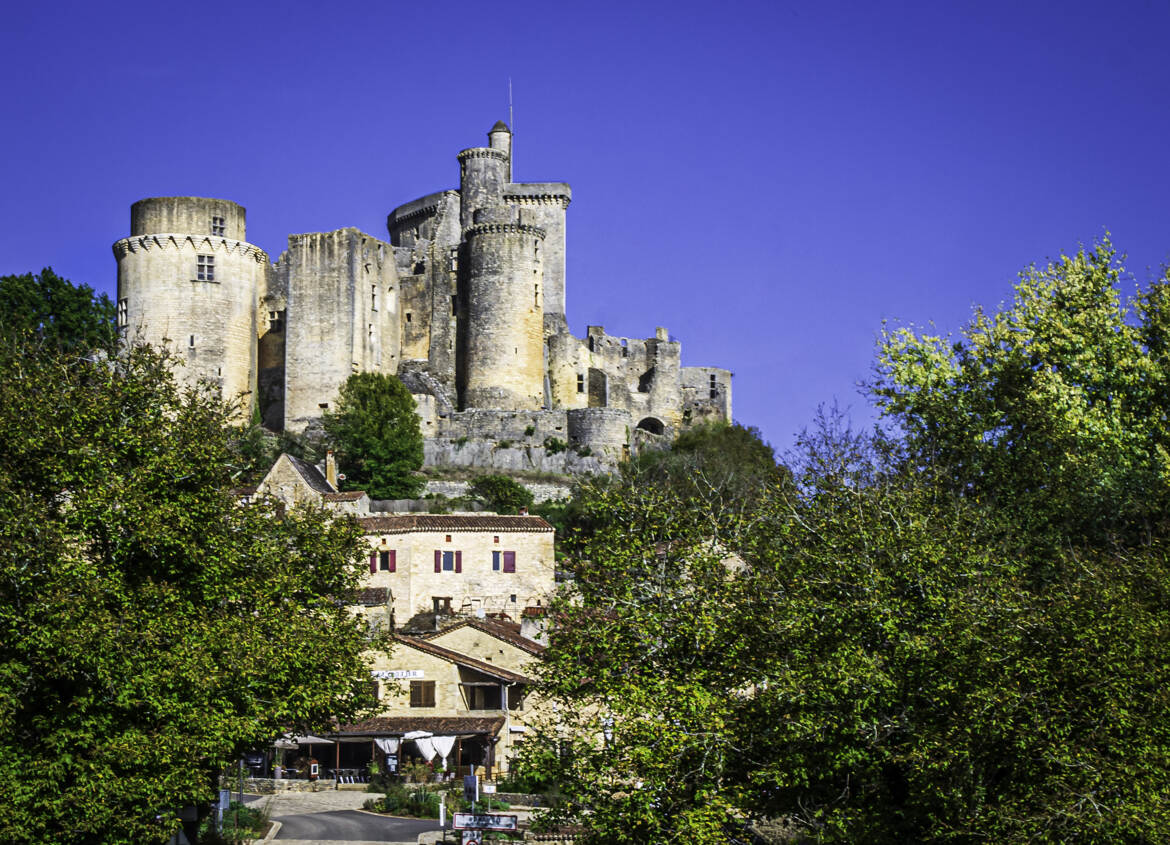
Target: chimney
{"x":331,"y":469}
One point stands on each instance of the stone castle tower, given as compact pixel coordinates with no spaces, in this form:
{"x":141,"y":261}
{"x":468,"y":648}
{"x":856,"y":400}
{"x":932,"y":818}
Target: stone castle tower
{"x":465,"y":303}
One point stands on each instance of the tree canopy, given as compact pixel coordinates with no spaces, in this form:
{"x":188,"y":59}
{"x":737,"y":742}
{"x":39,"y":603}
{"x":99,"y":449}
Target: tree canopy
{"x":925,"y":636}
{"x":151,"y":628}
{"x":55,"y":311}
{"x":500,"y":493}
{"x":376,"y":434}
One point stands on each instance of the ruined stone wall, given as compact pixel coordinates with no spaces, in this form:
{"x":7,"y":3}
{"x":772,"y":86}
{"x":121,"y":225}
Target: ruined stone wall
{"x":342,"y":317}
{"x":706,"y":393}
{"x":193,"y":292}
{"x":606,"y":431}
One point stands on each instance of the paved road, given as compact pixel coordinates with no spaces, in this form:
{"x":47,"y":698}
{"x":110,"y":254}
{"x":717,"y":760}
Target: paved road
{"x":332,"y":817}
{"x":352,"y":826}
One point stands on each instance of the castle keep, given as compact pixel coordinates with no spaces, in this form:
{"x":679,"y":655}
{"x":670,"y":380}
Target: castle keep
{"x":465,"y":302}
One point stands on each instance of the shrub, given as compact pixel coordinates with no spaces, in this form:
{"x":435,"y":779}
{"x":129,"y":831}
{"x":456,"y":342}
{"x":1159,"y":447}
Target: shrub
{"x":554,"y":445}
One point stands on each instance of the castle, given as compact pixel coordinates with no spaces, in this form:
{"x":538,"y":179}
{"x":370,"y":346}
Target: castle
{"x":465,"y":303}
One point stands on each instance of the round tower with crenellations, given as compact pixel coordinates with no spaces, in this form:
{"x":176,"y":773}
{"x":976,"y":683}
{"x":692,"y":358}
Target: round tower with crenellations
{"x":483,"y":173}
{"x":190,"y":282}
{"x":502,"y":319}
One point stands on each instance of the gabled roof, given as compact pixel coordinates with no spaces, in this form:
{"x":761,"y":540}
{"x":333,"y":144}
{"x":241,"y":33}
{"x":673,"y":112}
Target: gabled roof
{"x":310,"y":474}
{"x":440,"y":725}
{"x":422,"y":522}
{"x":463,"y":660}
{"x":508,"y":632}
{"x":345,"y":496}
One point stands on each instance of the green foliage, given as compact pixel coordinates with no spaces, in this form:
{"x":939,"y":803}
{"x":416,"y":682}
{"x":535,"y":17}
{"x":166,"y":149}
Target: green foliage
{"x":500,"y":493}
{"x":554,"y":445}
{"x":504,"y":444}
{"x":958,"y":635}
{"x":1055,"y":407}
{"x":417,"y":801}
{"x":376,"y":434}
{"x":240,"y":823}
{"x":728,"y":461}
{"x":529,"y":430}
{"x":52,"y":310}
{"x":151,"y":628}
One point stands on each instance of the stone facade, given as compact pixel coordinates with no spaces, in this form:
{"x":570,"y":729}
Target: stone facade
{"x":471,"y":563}
{"x":465,"y":302}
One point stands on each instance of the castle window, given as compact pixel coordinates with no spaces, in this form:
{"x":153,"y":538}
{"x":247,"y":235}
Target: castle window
{"x":536,"y":296}
{"x":625,"y":349}
{"x":373,"y":297}
{"x":408,"y":316}
{"x":191,"y":342}
{"x":714,"y":390}
{"x":324,"y":406}
{"x":580,"y":383}
{"x":454,"y":305}
{"x":205,"y":268}
{"x":123,"y":313}
{"x":217,"y":226}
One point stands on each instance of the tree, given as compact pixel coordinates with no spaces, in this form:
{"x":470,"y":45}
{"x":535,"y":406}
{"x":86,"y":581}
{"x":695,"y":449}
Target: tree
{"x":151,"y":628}
{"x":377,"y":437}
{"x":52,"y":309}
{"x":957,"y":632}
{"x":1055,"y":407}
{"x":500,"y":493}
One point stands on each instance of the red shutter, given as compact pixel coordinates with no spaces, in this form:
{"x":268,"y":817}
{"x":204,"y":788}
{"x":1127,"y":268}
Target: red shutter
{"x":458,"y":561}
{"x":393,"y":560}
{"x":509,"y":561}
{"x":373,"y":562}
{"x":438,"y":561}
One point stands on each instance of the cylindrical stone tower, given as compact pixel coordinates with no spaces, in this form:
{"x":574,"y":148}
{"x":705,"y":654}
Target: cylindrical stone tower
{"x":502,"y":363}
{"x":483,"y":173}
{"x":500,"y":138}
{"x":189,"y":282}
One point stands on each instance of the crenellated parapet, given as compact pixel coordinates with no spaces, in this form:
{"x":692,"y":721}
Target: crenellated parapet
{"x":483,"y":152}
{"x":504,"y":229}
{"x":178,"y":240}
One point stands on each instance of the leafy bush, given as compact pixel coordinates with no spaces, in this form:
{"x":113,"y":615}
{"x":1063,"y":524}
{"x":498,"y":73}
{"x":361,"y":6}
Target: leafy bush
{"x":553,"y":445}
{"x":500,"y":493}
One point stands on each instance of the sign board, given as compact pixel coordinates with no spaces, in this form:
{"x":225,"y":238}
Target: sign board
{"x":473,"y":837}
{"x":396,"y":674}
{"x":392,"y":763}
{"x":489,"y":788}
{"x":471,"y":787}
{"x":484,"y":821}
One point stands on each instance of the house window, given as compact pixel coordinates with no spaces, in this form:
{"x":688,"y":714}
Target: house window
{"x":448,"y":561}
{"x":123,"y":313}
{"x":388,"y":561}
{"x":504,"y":560}
{"x":422,"y":693}
{"x":580,"y":383}
{"x":205,"y":268}
{"x":217,"y":226}
{"x":483,"y":698}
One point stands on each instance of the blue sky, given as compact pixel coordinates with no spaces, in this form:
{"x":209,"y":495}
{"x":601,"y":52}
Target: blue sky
{"x":770,"y":181}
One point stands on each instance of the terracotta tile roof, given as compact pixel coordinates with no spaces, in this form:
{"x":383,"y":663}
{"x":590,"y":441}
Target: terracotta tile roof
{"x":403,"y":523}
{"x":463,"y":660}
{"x":509,"y":632}
{"x":440,"y":725}
{"x":311,"y":474}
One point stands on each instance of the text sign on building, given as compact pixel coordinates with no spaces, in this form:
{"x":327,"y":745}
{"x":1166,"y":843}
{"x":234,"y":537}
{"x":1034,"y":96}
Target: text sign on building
{"x":396,"y":674}
{"x":484,"y":821}
{"x":473,"y":837}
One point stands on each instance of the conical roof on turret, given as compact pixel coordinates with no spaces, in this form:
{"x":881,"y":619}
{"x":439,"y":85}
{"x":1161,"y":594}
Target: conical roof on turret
{"x":500,"y":127}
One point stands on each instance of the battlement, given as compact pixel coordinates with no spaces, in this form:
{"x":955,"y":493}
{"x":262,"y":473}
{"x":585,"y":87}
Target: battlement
{"x":504,"y":229}
{"x":483,"y":152}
